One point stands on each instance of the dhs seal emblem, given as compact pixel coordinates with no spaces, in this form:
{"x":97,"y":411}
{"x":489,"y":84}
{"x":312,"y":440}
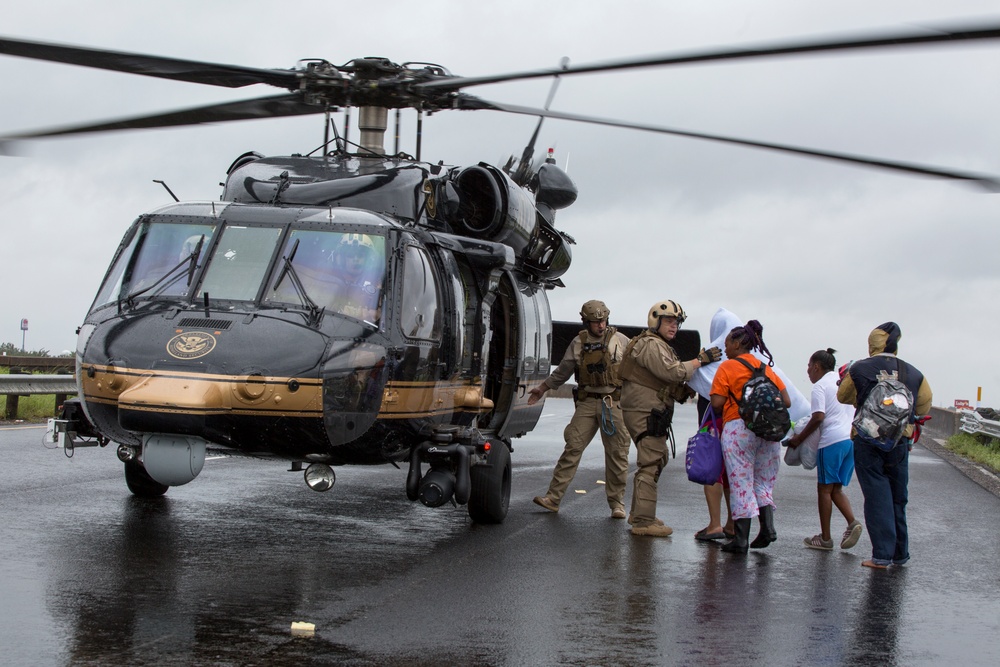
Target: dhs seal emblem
{"x":191,"y":345}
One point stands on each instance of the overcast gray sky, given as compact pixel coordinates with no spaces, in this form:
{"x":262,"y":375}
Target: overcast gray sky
{"x":819,"y":253}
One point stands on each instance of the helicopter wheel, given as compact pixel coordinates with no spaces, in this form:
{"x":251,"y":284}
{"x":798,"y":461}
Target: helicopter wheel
{"x":140,"y":483}
{"x":491,"y":487}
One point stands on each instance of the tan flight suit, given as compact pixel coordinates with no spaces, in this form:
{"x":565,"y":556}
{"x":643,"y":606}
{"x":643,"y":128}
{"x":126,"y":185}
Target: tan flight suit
{"x":587,"y":420}
{"x":652,"y":378}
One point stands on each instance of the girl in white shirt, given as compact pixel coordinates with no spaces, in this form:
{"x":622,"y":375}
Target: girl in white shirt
{"x":835,"y":458}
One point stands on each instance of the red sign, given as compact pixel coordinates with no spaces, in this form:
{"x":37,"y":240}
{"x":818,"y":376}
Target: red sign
{"x":24,"y":325}
{"x":962,"y":404}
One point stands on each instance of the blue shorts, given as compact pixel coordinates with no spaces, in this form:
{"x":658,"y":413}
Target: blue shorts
{"x":835,"y":463}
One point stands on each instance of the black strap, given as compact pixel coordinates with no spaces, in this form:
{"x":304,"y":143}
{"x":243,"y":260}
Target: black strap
{"x":752,"y":369}
{"x":901,"y":375}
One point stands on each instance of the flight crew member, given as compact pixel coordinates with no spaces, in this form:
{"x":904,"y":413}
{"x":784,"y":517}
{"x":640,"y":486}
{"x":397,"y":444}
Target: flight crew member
{"x":593,"y":357}
{"x":653,"y":378}
{"x":356,"y":294}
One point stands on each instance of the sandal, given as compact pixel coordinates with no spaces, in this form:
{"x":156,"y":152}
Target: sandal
{"x":873,"y":564}
{"x":817,"y":542}
{"x":705,"y":536}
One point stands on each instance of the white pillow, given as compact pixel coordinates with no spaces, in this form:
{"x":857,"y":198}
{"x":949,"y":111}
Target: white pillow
{"x":805,"y":453}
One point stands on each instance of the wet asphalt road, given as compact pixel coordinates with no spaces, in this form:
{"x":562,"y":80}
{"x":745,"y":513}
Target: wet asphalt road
{"x":216,"y":572}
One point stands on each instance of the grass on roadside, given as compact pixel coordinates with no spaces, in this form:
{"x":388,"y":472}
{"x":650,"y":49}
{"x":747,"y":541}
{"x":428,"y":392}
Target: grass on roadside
{"x":979,"y":448}
{"x":34,"y":408}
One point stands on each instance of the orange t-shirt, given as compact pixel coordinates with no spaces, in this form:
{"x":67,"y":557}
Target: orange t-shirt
{"x":730,"y":378}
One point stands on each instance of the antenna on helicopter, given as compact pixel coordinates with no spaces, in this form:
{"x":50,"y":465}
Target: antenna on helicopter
{"x":523,"y":173}
{"x":167,"y":189}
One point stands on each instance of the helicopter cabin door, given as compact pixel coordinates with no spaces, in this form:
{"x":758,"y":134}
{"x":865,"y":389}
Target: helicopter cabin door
{"x":521,"y":324}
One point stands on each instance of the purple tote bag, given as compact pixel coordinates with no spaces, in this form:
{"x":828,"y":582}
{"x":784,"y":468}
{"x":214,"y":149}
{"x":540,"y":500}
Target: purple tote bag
{"x":703,"y":460}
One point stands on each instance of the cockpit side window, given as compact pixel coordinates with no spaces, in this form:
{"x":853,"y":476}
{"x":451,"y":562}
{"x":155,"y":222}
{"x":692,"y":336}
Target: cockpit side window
{"x":420,"y":316}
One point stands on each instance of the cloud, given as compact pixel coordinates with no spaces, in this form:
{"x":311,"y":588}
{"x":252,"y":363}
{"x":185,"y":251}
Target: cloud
{"x":820,"y":253}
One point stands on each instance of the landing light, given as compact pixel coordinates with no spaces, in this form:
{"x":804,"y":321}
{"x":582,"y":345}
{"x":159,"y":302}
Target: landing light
{"x":320,"y":477}
{"x":125,"y":453}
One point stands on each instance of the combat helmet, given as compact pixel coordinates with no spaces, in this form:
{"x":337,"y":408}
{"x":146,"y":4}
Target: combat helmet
{"x":665,"y":308}
{"x":594,"y":311}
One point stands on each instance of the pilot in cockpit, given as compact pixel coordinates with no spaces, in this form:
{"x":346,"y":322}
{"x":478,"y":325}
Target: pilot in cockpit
{"x":357,"y":291}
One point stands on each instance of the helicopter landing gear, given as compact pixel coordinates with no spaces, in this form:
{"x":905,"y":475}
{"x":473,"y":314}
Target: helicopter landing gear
{"x":140,"y":483}
{"x":491,"y":486}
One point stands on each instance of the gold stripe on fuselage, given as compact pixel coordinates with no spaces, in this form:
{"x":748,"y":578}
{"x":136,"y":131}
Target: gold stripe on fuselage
{"x":176,"y":392}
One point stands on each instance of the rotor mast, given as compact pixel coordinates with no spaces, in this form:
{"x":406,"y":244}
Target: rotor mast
{"x":372,"y":123}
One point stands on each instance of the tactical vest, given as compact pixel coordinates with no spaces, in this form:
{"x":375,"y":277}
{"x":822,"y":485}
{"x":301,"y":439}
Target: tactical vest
{"x":630,"y":370}
{"x":597,"y":367}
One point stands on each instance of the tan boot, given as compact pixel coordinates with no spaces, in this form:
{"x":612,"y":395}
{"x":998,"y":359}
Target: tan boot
{"x":653,"y":530}
{"x":631,"y":520}
{"x":547,"y":503}
{"x":618,"y":513}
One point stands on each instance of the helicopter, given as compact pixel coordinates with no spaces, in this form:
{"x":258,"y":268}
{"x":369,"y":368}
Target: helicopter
{"x":351,"y":306}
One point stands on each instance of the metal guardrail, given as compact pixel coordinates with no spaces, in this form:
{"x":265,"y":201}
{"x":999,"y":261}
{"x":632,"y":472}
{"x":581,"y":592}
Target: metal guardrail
{"x":17,"y":385}
{"x":24,"y":385}
{"x":973,"y":422}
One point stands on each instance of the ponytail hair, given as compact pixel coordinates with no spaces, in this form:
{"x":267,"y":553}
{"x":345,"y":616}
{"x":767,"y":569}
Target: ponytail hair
{"x":824,"y":359}
{"x":751,"y":337}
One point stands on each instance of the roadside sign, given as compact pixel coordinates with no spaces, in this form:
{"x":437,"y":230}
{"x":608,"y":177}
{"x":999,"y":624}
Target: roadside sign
{"x":24,"y":325}
{"x":962,"y":404}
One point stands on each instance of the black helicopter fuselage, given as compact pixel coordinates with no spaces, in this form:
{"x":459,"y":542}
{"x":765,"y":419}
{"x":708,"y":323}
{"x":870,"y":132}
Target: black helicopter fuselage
{"x":241,"y":324}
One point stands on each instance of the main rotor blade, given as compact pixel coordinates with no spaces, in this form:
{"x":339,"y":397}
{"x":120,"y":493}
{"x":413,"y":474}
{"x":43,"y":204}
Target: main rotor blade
{"x":930,"y":35}
{"x":987,"y":182}
{"x":213,"y":74}
{"x":261,"y":107}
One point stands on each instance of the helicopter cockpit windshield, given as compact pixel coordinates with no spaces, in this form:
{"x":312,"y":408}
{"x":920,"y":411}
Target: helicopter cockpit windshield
{"x":159,"y":261}
{"x":318,"y":269}
{"x":343,"y":273}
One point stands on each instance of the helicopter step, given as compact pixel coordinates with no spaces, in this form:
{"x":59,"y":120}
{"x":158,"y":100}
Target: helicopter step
{"x":465,"y":467}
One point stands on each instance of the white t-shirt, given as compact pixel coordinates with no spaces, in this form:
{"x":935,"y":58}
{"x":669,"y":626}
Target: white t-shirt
{"x":837,"y":416}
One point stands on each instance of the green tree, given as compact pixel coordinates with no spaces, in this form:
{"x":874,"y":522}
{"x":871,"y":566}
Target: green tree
{"x":12,"y":350}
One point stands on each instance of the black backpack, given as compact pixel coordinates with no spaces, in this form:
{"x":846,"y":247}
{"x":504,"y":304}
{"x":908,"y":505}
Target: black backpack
{"x":761,"y":406}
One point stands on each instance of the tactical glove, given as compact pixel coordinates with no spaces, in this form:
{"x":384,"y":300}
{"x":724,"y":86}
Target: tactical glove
{"x":709,"y":355}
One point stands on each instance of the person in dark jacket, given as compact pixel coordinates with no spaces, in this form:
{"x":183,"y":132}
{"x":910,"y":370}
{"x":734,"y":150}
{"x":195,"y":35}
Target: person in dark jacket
{"x":883,"y":475}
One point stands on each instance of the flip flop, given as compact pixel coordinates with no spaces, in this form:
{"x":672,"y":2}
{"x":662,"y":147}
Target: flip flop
{"x":708,"y":537}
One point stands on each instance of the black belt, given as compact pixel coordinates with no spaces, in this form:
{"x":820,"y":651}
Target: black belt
{"x":615,"y":395}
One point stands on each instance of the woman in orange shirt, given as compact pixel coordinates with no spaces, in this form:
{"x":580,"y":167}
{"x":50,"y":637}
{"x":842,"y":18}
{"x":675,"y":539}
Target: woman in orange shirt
{"x":751,"y":462}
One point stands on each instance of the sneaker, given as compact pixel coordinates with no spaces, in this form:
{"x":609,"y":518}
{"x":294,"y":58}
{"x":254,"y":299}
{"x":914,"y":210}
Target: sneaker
{"x":546,"y":502}
{"x":817,"y":542}
{"x":653,"y":530}
{"x":618,"y":513}
{"x":851,"y":535}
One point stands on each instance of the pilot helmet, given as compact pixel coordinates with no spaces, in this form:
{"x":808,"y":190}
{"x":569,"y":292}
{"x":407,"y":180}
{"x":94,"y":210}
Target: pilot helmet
{"x":594,"y":311}
{"x":665,"y":308}
{"x":356,"y":241}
